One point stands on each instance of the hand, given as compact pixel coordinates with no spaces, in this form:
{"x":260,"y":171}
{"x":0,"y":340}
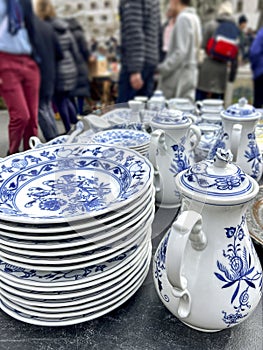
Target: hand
{"x":136,"y":81}
{"x":92,"y":59}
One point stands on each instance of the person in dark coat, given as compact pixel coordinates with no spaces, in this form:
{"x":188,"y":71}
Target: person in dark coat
{"x":66,"y":77}
{"x":50,"y":53}
{"x":256,"y":60}
{"x":82,"y":88}
{"x":140,"y":40}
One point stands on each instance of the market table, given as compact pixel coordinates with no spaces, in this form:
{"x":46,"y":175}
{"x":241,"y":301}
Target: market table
{"x":141,"y":323}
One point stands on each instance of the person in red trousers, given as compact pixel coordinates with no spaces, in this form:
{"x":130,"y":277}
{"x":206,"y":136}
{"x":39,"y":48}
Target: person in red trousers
{"x":19,"y":73}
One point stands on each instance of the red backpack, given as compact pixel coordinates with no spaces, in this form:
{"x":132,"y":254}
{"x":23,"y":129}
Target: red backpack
{"x":223,"y":45}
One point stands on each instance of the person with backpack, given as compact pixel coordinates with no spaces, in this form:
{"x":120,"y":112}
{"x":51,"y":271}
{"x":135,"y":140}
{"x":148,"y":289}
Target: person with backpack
{"x":220,"y":43}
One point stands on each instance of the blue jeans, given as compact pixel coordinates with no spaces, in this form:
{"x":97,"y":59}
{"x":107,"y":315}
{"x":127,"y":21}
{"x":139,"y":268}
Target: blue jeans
{"x":125,"y":90}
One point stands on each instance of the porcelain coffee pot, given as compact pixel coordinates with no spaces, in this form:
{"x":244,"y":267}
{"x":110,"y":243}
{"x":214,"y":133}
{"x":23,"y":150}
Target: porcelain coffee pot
{"x":239,"y":123}
{"x":170,"y":152}
{"x":206,"y":270}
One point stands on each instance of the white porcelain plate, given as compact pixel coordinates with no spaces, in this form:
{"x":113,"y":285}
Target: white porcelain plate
{"x":92,"y":246}
{"x":70,"y":182}
{"x":87,"y":273}
{"x":54,"y":231}
{"x":123,"y":137}
{"x":22,"y":315}
{"x":81,"y":238}
{"x":80,"y":262}
{"x":90,"y":255}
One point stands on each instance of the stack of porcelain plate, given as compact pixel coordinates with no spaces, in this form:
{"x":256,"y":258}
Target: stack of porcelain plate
{"x":132,"y":139}
{"x":75,"y":231}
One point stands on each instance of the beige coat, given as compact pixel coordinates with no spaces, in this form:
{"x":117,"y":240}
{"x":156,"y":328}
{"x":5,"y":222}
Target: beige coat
{"x":178,"y":72}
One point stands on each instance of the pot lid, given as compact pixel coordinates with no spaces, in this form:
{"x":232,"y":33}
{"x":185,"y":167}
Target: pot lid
{"x":241,"y":111}
{"x":171,"y":117}
{"x":217,"y":182}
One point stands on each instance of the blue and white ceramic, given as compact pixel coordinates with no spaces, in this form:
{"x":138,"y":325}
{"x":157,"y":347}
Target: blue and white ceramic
{"x":206,"y":270}
{"x":92,"y":247}
{"x":35,"y":142}
{"x":59,"y":279}
{"x":82,"y":302}
{"x":75,"y":261}
{"x":65,"y":294}
{"x":122,"y":137}
{"x":123,"y":114}
{"x":210,"y":134}
{"x":239,"y":123}
{"x":70,"y":182}
{"x":170,"y":153}
{"x":97,"y":225}
{"x":81,"y":312}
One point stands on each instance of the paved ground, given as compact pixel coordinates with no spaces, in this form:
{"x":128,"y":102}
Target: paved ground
{"x":4,"y":132}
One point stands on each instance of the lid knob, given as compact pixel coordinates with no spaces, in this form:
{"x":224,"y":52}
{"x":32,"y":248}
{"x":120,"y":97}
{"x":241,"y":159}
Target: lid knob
{"x":222,"y":158}
{"x":242,"y":102}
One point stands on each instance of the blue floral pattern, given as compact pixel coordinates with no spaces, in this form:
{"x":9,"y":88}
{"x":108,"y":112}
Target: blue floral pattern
{"x":71,"y":275}
{"x":180,"y":161}
{"x":81,"y":194}
{"x":129,"y":172}
{"x":220,"y":143}
{"x":253,"y":156}
{"x":126,"y":138}
{"x":160,"y":266}
{"x":240,"y":273}
{"x":198,"y":174}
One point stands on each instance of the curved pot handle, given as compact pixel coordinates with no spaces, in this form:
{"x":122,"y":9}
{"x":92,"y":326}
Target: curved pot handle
{"x":157,"y":144}
{"x":34,"y":141}
{"x":188,"y":226}
{"x":235,"y":140}
{"x":196,"y":131}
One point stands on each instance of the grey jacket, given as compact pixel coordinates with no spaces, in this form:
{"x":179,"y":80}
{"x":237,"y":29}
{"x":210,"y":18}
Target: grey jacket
{"x":178,"y":72}
{"x":140,"y":33}
{"x":213,"y":75}
{"x":67,"y":72}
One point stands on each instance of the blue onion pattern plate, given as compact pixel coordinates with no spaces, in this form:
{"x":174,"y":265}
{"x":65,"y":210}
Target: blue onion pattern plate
{"x":96,"y":255}
{"x":71,"y":182}
{"x":63,"y":295}
{"x":73,"y":229}
{"x":123,"y":137}
{"x":84,"y":303}
{"x":87,"y":273}
{"x":64,"y":321}
{"x":77,"y":262}
{"x":75,"y":239}
{"x":73,"y":295}
{"x":88,"y":246}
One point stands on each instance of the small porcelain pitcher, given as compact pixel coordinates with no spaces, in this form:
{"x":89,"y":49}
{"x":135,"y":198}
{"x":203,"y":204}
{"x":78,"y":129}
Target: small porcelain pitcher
{"x":171,"y":152}
{"x":239,"y":123}
{"x":206,"y":270}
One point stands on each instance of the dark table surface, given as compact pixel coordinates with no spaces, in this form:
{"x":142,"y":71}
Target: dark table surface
{"x":141,"y":323}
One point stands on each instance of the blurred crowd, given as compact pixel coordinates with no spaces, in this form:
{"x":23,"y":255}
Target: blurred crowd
{"x":44,"y":60}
